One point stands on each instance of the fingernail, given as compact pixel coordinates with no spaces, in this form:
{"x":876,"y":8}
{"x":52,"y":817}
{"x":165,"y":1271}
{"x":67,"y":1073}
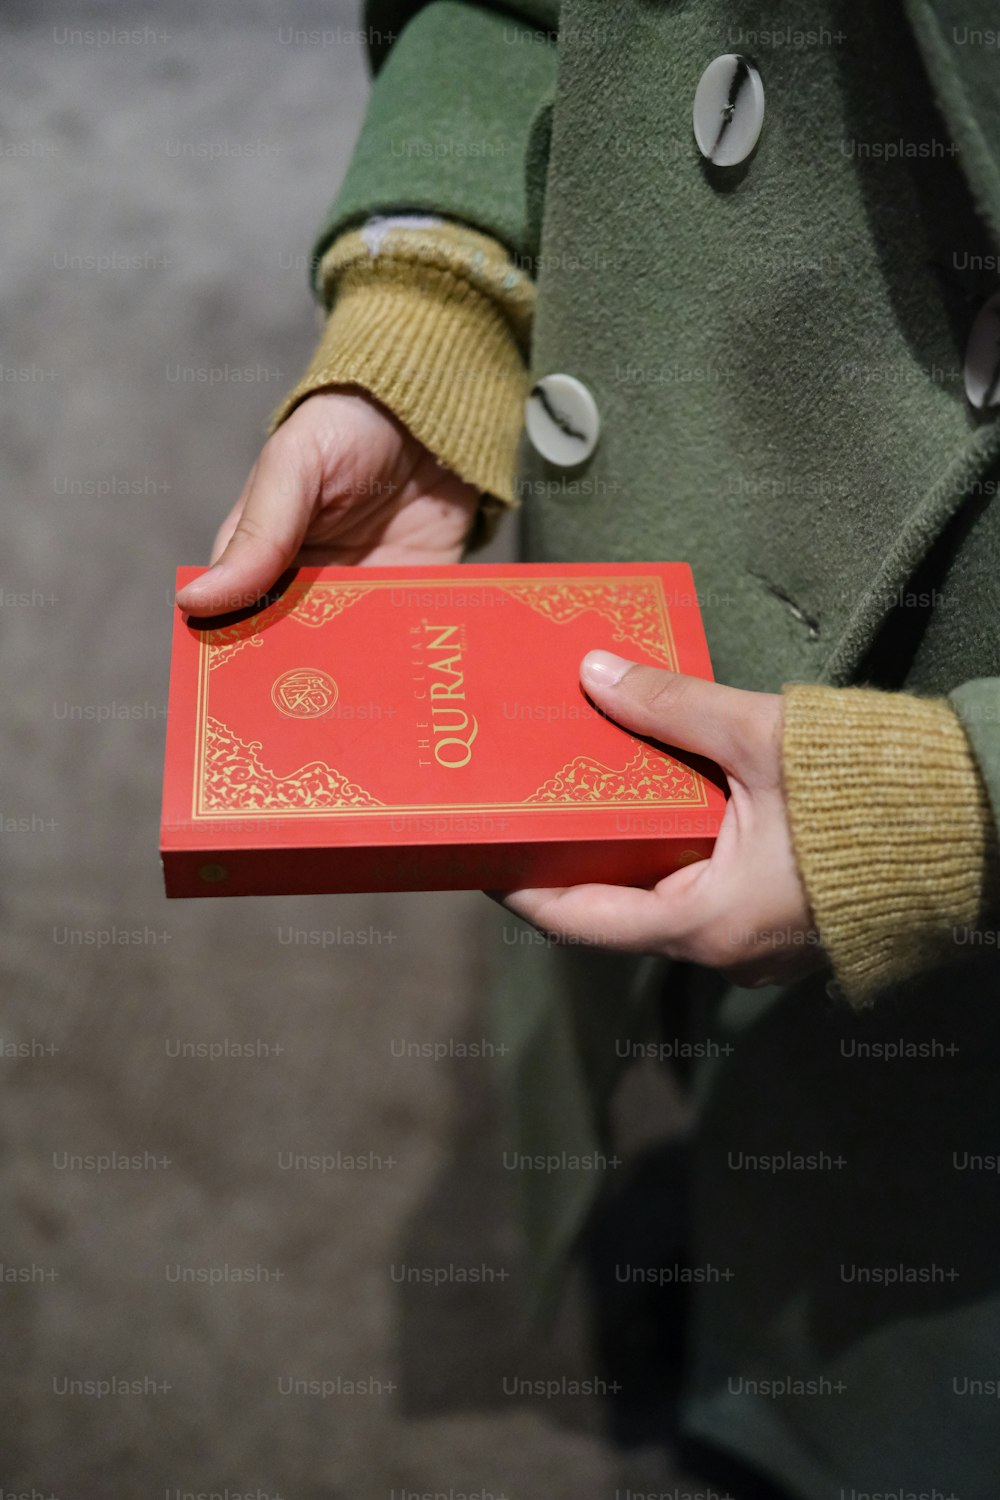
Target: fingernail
{"x":603,"y":668}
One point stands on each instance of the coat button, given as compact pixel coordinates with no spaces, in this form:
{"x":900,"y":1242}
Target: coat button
{"x":728,"y":110}
{"x":982,"y":356}
{"x":562,"y":420}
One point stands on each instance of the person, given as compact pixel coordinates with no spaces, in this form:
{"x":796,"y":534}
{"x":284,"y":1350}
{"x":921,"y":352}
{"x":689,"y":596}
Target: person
{"x":718,"y":284}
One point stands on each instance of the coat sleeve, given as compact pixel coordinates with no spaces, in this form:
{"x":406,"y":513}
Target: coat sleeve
{"x":456,"y":90}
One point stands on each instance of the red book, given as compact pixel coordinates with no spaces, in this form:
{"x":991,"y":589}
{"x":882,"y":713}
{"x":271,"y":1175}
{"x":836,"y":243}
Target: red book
{"x":387,"y":729}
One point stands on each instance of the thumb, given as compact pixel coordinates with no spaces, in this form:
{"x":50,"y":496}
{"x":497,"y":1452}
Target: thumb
{"x":686,"y":712}
{"x":266,"y":537}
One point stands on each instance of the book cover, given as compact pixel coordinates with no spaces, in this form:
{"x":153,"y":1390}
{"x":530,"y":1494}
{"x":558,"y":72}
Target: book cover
{"x":371,"y":729}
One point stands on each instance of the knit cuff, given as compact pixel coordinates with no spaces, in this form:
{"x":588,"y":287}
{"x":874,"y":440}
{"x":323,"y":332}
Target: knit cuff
{"x":891,"y":827}
{"x":434,"y":323}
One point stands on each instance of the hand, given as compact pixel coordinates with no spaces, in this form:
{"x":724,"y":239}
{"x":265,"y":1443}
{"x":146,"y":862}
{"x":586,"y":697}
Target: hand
{"x":342,"y":481}
{"x":743,"y":911}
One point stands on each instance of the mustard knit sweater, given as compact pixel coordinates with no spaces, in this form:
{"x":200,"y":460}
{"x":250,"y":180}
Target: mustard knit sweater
{"x":890,"y":821}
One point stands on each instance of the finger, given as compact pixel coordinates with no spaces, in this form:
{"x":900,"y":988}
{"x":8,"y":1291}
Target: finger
{"x":265,"y":537}
{"x":688,"y":712}
{"x":608,"y":916}
{"x":225,"y":531}
{"x":189,"y":598}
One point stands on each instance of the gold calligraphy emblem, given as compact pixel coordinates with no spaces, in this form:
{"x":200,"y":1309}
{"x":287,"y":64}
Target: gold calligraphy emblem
{"x":304,"y":693}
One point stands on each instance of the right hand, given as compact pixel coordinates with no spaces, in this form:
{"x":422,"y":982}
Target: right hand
{"x":342,"y":481}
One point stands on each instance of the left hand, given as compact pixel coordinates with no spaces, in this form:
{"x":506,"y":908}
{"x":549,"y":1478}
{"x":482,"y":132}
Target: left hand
{"x":744,"y":911}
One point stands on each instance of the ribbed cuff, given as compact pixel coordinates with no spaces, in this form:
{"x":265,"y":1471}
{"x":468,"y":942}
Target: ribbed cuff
{"x":434,"y":326}
{"x":891,"y":827}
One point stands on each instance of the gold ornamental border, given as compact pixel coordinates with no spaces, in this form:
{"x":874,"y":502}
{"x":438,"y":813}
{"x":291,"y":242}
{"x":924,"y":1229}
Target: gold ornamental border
{"x":659,"y":644}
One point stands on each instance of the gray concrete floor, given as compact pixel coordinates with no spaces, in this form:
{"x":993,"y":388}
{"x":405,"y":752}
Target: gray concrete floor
{"x":113,"y":470}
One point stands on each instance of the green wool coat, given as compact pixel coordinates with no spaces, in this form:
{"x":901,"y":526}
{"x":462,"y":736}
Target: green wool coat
{"x":776,"y":351}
